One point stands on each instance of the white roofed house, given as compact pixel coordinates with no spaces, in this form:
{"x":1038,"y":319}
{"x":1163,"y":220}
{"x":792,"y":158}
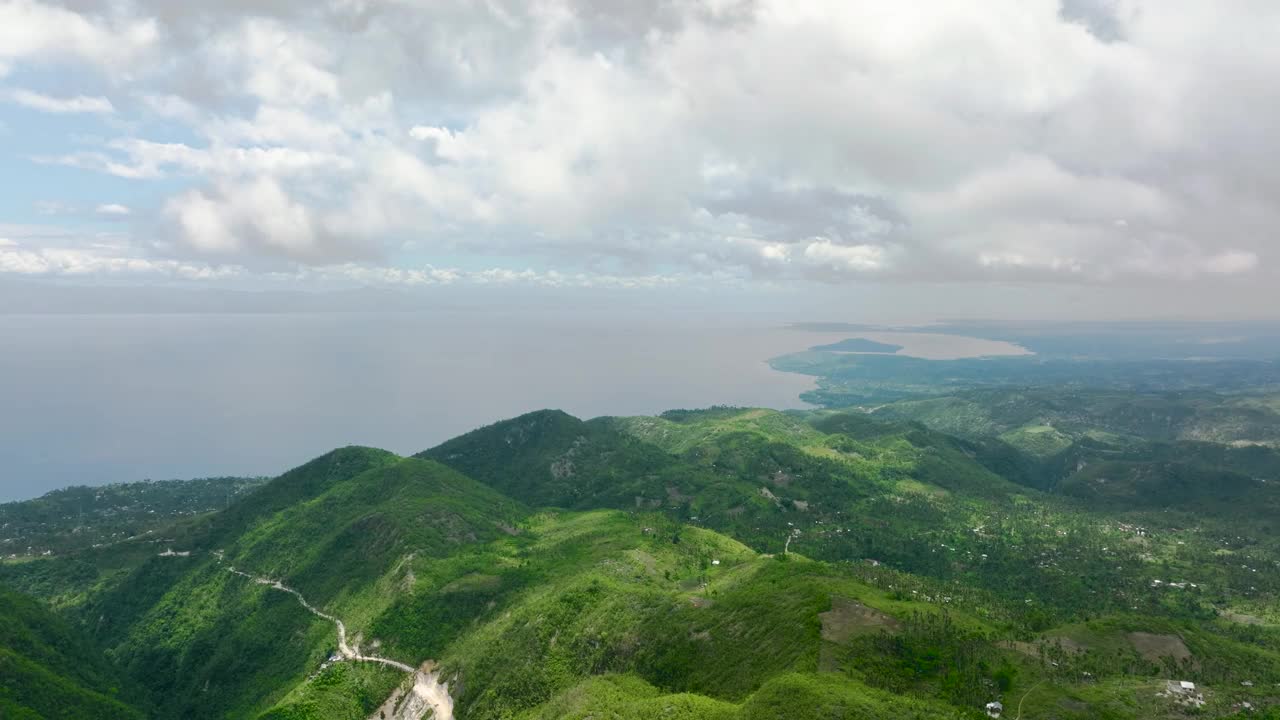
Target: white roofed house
{"x":1184,"y":692}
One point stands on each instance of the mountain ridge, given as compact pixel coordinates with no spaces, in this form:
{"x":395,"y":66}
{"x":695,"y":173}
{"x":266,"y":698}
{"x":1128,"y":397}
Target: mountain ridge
{"x":548,"y":566}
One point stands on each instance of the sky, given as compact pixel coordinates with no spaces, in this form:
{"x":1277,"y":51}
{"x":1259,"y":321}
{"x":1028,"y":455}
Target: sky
{"x":1003,"y":157}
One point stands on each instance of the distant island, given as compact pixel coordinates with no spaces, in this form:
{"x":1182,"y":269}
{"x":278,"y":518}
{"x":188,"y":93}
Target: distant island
{"x":859,"y":345}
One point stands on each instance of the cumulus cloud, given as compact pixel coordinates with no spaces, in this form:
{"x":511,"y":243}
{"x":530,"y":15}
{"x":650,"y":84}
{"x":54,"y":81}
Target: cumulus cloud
{"x":38,"y":32}
{"x":236,"y":214}
{"x":828,"y":140}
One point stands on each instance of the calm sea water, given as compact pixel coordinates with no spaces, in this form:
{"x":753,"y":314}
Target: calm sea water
{"x":105,"y":398}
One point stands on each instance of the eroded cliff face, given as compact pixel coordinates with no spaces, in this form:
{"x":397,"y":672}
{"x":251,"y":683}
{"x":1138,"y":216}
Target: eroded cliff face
{"x":425,"y":697}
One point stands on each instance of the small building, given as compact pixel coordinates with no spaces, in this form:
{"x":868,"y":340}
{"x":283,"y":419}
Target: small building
{"x":994,"y":709}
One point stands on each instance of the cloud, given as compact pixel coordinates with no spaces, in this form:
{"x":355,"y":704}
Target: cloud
{"x":73,"y":261}
{"x":1101,"y":17}
{"x":1231,"y":262}
{"x":555,"y":279}
{"x":278,"y":64}
{"x":60,"y":105}
{"x":55,"y":252}
{"x":113,"y":211}
{"x":381,"y":275}
{"x":137,"y":159}
{"x":37,"y":32}
{"x":258,"y":213}
{"x":170,"y":107}
{"x":838,"y":141}
{"x":841,"y":258}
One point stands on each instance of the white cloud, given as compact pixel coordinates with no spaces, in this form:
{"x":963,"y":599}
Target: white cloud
{"x":425,"y":132}
{"x":279,"y":65}
{"x":106,"y":210}
{"x":257,"y":213}
{"x":51,"y":252}
{"x":62,"y":105}
{"x":40,"y":32}
{"x":448,"y":144}
{"x":1231,"y":262}
{"x":553,"y":278}
{"x":381,"y":275}
{"x":170,"y":107}
{"x":834,"y":140}
{"x":137,"y":159}
{"x":97,"y":261}
{"x":841,"y":258}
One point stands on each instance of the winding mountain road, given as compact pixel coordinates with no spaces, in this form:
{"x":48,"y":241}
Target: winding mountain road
{"x":426,"y":695}
{"x":346,"y":651}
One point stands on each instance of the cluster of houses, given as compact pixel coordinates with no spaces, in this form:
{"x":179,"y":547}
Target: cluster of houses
{"x":1185,"y":693}
{"x":1179,"y":585}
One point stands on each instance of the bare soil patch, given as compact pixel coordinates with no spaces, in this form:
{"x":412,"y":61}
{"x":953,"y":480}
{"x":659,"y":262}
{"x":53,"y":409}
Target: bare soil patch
{"x":1074,"y":646}
{"x":1153,"y":647}
{"x":848,"y":619}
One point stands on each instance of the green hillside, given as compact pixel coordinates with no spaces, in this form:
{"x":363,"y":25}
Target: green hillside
{"x":788,"y":697}
{"x":352,"y":521}
{"x":50,"y":670}
{"x":720,"y":563}
{"x":1072,"y":414}
{"x":80,"y":517}
{"x":1121,"y":451}
{"x":552,"y":458}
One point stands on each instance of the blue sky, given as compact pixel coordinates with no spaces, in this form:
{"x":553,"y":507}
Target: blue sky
{"x":965,"y":155}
